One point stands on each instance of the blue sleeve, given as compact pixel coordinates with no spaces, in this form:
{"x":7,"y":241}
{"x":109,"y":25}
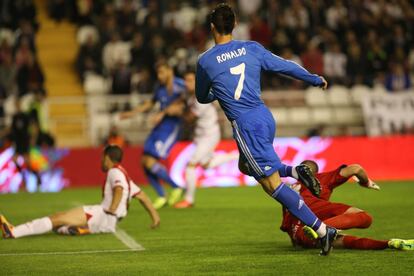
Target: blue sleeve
{"x":274,"y":63}
{"x":155,"y":96}
{"x":203,"y":85}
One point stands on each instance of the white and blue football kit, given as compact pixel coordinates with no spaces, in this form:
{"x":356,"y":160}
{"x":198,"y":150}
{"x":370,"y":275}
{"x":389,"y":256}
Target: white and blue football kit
{"x":230,"y":73}
{"x":163,"y":137}
{"x":166,"y":133}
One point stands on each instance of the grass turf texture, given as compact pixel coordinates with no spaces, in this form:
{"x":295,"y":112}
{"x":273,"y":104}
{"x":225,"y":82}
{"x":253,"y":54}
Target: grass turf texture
{"x":230,"y":231}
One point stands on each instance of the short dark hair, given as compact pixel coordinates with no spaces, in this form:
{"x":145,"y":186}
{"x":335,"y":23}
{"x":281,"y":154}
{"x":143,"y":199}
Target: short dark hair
{"x":223,"y":18}
{"x":162,"y":63}
{"x":114,"y":153}
{"x":312,"y":165}
{"x":189,"y":71}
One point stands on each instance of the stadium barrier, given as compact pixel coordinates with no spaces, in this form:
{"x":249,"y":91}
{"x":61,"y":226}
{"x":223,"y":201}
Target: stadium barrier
{"x":388,"y":113}
{"x":385,"y":158}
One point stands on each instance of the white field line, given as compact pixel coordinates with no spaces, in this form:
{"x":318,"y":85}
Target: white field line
{"x":69,"y":252}
{"x":120,"y":234}
{"x":127,"y":240}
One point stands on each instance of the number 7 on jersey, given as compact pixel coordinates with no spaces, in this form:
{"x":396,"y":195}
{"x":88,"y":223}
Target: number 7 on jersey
{"x":238,"y":70}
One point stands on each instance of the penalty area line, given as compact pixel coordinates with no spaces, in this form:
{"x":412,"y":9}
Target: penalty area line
{"x":127,"y":240}
{"x":120,"y":234}
{"x":70,"y":252}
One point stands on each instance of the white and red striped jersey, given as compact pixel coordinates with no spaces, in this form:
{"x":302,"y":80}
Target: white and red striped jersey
{"x":117,"y":176}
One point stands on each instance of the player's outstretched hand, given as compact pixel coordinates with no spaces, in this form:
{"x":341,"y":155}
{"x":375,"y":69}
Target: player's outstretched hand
{"x":324,"y":84}
{"x":156,"y":223}
{"x":372,"y":185}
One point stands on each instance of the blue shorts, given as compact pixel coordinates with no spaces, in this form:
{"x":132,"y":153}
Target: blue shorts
{"x":254,"y":132}
{"x":161,"y":140}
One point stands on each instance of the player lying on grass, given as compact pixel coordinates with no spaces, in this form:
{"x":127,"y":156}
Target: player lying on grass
{"x":206,"y":138}
{"x":338,"y":215}
{"x":117,"y":192}
{"x":230,"y":73}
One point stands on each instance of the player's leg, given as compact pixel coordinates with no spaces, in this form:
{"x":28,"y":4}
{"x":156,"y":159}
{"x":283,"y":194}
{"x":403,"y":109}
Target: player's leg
{"x":352,"y":242}
{"x":148,"y":162}
{"x":342,"y":241}
{"x":301,"y":172}
{"x":258,"y":159}
{"x":203,"y":155}
{"x":344,"y":217}
{"x":156,"y":171}
{"x":163,"y":141}
{"x":158,"y":146}
{"x":255,"y":141}
{"x":97,"y":221}
{"x":153,"y":165}
{"x":191,"y":182}
{"x":302,"y":239}
{"x":297,"y":207}
{"x":274,"y":187}
{"x":74,"y":217}
{"x":72,"y":230}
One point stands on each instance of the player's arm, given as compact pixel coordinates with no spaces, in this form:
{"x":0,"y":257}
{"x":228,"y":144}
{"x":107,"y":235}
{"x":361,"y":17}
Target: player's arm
{"x":202,"y":86}
{"x":176,"y":108}
{"x":359,"y":174}
{"x":147,"y":204}
{"x":116,"y":199}
{"x":274,"y":63}
{"x":144,"y":107}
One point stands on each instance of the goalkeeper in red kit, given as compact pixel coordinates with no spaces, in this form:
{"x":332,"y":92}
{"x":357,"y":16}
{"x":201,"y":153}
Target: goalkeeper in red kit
{"x":338,"y":215}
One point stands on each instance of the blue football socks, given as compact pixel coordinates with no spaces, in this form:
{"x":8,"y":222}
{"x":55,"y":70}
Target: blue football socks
{"x":161,"y":172}
{"x":153,"y":180}
{"x":285,"y":171}
{"x":296,"y":206}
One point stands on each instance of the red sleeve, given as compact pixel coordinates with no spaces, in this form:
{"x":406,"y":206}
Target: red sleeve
{"x":332,"y":177}
{"x":330,"y":180}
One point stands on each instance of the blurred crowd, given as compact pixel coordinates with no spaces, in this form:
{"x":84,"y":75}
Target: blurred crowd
{"x":20,"y":71}
{"x":21,"y":77}
{"x":350,"y":42}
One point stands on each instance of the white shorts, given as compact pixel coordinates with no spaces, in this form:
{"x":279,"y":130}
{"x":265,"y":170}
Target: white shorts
{"x":98,"y":220}
{"x":205,"y":146}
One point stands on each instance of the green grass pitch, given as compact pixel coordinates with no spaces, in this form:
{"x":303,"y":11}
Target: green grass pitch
{"x":230,"y":231}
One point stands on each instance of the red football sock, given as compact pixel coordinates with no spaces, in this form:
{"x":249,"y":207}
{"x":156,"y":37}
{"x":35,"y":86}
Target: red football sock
{"x":352,"y":242}
{"x":351,"y":220}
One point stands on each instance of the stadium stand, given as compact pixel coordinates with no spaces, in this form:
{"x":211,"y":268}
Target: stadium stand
{"x":325,"y":39}
{"x":118,"y":42}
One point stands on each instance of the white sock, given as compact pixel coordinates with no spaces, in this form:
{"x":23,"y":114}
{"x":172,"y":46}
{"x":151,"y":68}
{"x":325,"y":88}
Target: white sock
{"x":221,"y":159}
{"x":321,"y":230}
{"x":34,"y":227}
{"x":191,"y":178}
{"x":295,"y":173}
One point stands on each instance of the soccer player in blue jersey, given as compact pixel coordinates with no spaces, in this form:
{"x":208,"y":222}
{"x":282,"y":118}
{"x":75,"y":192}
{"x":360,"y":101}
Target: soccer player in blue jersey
{"x":169,"y":94}
{"x":230,"y":73}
